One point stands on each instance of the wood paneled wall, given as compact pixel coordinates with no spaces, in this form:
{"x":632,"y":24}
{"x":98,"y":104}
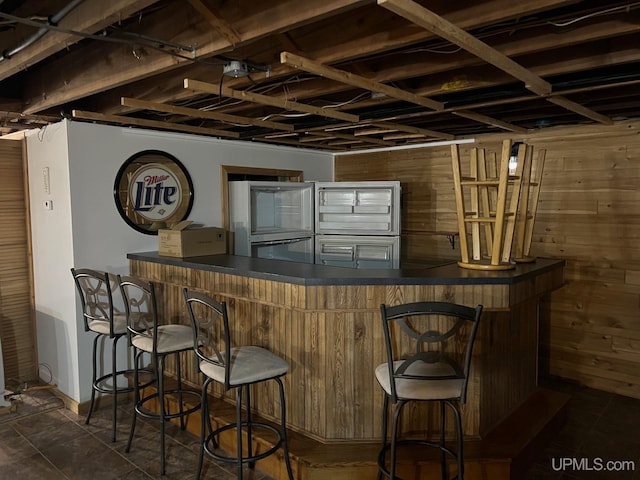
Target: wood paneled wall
{"x":16,"y":320}
{"x":588,"y":214}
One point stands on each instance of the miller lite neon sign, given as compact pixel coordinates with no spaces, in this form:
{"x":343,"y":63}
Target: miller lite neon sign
{"x":153,"y":190}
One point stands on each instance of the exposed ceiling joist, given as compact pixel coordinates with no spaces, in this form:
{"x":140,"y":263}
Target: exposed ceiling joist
{"x":349,"y":78}
{"x":445,"y":29}
{"x":577,"y":108}
{"x":410,"y":129}
{"x":352,"y":138}
{"x":139,"y":122}
{"x":195,"y":113}
{"x":478,"y":117}
{"x":435,"y":23}
{"x":266,"y":100}
{"x":346,"y":49}
{"x":217,"y":22}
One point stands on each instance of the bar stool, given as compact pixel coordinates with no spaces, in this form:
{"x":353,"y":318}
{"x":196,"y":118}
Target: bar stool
{"x":235,"y":368}
{"x":147,"y":335}
{"x":100,"y":317}
{"x":428,"y":360}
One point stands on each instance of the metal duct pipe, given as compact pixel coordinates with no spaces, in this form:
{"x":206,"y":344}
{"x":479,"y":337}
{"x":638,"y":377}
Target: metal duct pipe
{"x":53,"y":20}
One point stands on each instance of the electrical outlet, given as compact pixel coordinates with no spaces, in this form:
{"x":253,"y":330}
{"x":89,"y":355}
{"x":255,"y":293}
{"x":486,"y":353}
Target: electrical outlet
{"x":48,"y":204}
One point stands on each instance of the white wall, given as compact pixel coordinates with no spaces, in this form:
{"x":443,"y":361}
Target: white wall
{"x":84,"y":228}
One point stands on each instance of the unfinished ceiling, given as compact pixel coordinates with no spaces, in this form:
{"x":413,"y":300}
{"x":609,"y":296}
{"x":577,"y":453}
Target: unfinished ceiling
{"x":331,"y":74}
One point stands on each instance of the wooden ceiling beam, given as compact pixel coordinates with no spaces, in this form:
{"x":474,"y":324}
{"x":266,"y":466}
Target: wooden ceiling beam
{"x":195,"y":113}
{"x":397,"y":36}
{"x":353,"y":138}
{"x":103,"y":67}
{"x":427,"y":19}
{"x":478,"y":117}
{"x":216,"y":89}
{"x":298,"y":144}
{"x":579,"y":109}
{"x":410,"y":129}
{"x":217,"y":22}
{"x":402,"y":136}
{"x":139,"y":122}
{"x":447,"y":30}
{"x":354,"y":80}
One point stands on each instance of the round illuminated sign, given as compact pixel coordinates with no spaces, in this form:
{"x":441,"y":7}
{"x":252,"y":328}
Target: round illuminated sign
{"x":153,"y":190}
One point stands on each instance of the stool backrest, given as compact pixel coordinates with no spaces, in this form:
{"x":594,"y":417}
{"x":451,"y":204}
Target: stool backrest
{"x":140,"y":306}
{"x":211,"y":337}
{"x":430,"y":332}
{"x":94,"y":288}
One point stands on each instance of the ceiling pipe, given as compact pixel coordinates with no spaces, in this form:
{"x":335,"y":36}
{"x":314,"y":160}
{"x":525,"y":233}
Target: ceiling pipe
{"x":53,"y":20}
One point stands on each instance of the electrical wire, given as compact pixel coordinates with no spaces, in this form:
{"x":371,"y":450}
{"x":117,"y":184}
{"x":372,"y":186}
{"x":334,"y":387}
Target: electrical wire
{"x":594,"y":14}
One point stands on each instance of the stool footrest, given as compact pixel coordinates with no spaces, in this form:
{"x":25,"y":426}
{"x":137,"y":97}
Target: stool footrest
{"x":413,"y":441}
{"x":98,"y":387}
{"x":254,"y":458}
{"x":148,"y":413}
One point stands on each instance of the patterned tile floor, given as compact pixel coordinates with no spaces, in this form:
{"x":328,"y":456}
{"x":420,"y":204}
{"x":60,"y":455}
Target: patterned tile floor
{"x":43,"y":440}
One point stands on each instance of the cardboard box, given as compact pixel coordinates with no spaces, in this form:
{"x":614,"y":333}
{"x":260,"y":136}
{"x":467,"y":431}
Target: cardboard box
{"x":181,"y":241}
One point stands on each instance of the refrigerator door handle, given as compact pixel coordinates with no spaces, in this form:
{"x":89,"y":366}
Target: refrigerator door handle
{"x":280,"y":242}
{"x":337,"y":252}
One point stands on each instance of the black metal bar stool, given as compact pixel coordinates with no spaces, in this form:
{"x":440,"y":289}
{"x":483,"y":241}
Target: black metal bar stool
{"x":236,"y":368}
{"x":147,"y":335}
{"x":428,"y":360}
{"x":100,"y":317}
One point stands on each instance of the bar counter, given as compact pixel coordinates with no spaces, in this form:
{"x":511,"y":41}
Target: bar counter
{"x":326,"y":322}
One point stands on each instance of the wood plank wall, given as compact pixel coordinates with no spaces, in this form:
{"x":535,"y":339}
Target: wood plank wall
{"x":16,"y":320}
{"x":588,"y":214}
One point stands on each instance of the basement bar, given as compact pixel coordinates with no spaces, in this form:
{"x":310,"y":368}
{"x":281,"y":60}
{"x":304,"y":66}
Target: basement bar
{"x":325,"y":321}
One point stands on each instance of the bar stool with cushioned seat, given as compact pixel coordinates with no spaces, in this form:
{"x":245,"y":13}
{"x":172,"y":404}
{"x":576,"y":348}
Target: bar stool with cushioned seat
{"x":100,"y":317}
{"x":147,"y":335}
{"x":428,"y":360}
{"x":235,"y":368}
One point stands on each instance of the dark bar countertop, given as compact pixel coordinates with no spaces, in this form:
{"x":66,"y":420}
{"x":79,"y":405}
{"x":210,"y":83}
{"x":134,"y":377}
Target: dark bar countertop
{"x":428,"y":272}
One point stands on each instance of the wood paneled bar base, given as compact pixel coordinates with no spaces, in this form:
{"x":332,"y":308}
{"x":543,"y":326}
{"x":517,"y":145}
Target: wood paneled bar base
{"x":325,"y":321}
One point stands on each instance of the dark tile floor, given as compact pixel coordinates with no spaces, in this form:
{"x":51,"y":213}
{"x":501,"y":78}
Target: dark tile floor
{"x":43,"y":440}
{"x":601,"y":427}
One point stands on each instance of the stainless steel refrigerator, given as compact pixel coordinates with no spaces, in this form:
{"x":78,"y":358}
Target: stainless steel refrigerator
{"x":357,"y":224}
{"x":349,"y":224}
{"x":272,"y":220}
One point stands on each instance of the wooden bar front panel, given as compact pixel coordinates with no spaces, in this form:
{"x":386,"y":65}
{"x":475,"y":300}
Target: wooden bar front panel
{"x":332,"y":337}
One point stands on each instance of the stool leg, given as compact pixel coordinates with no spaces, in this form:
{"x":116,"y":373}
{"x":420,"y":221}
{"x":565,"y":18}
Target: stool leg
{"x":136,"y":396}
{"x":249,"y":430}
{"x":283,"y":417}
{"x":443,"y":456}
{"x":460,"y":438}
{"x":114,"y":386}
{"x":239,"y":429}
{"x":385,"y":423}
{"x":205,"y":424}
{"x":181,"y":408}
{"x":394,"y":434}
{"x":93,"y":378}
{"x":160,"y":370}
